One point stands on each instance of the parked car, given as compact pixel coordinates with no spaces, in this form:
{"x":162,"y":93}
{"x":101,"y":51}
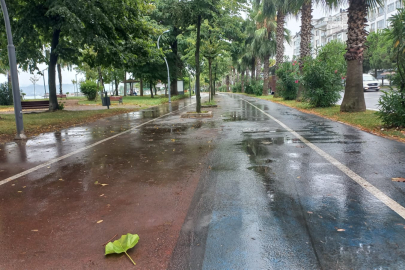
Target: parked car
{"x":370,"y":83}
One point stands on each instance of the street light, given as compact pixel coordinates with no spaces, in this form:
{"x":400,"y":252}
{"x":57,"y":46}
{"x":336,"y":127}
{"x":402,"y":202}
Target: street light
{"x":14,"y":75}
{"x":167,"y":65}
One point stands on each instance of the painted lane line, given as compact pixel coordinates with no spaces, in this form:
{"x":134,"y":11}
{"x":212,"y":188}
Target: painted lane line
{"x":11,"y":178}
{"x":396,"y":207}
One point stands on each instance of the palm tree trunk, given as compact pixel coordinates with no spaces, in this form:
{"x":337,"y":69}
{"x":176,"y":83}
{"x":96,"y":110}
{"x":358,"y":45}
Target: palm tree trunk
{"x":210,"y":92}
{"x":242,"y":81}
{"x":253,"y":69}
{"x":60,"y":78}
{"x":266,"y":76}
{"x":353,"y":100}
{"x":141,"y":87}
{"x":305,"y":45}
{"x":280,"y":37}
{"x":258,"y":68}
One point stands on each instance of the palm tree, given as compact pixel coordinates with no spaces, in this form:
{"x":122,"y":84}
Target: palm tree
{"x":353,"y":100}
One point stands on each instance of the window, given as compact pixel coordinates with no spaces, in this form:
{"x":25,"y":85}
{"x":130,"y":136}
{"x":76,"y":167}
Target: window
{"x":391,"y":7}
{"x":380,"y":24}
{"x":372,"y":27}
{"x":317,"y":33}
{"x":317,"y":43}
{"x":398,"y":4}
{"x":380,"y":11}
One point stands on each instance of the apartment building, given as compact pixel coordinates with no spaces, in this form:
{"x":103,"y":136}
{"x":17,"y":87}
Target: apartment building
{"x":378,"y":17}
{"x":296,"y":44}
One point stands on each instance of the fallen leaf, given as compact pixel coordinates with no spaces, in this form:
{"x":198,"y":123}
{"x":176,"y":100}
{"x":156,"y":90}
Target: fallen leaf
{"x":309,"y":212}
{"x":122,"y":245}
{"x":60,"y":179}
{"x":398,"y":179}
{"x":34,"y":230}
{"x":96,"y":183}
{"x":104,"y":185}
{"x":299,"y":177}
{"x":19,"y":191}
{"x":101,"y":195}
{"x":173,"y":140}
{"x":100,"y":221}
{"x":341,"y":230}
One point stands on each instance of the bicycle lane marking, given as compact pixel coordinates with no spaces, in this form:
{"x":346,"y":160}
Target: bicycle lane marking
{"x":393,"y":205}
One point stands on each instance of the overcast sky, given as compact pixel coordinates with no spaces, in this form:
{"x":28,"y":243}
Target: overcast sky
{"x":293,"y":25}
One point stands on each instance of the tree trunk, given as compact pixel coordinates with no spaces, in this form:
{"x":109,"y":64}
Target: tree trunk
{"x":215,"y":77}
{"x":266,"y":75}
{"x":197,"y":67}
{"x":258,"y":68}
{"x":141,"y":87}
{"x":353,"y":100}
{"x":305,"y":45}
{"x":227,"y":83}
{"x":242,"y":81}
{"x":375,"y":73}
{"x":60,"y":78}
{"x":100,"y":78}
{"x":253,"y":69}
{"x":154,"y":87}
{"x":280,"y":38}
{"x":116,"y":85}
{"x":210,"y":92}
{"x":151,"y":90}
{"x":9,"y":77}
{"x":125,"y":84}
{"x":53,"y":101}
{"x":174,"y":76}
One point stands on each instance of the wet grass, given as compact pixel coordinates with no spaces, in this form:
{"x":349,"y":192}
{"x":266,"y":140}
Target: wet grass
{"x":36,"y":123}
{"x":144,"y":101}
{"x":209,"y":103}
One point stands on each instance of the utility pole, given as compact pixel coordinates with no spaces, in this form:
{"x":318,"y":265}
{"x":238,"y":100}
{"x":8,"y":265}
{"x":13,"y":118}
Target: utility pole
{"x":167,"y":65}
{"x":14,"y":75}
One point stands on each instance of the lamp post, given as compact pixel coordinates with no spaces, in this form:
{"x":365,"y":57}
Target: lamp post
{"x":14,"y":75}
{"x":43,"y":76}
{"x":167,"y":65}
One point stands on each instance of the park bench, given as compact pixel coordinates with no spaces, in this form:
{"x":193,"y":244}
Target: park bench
{"x":116,"y":98}
{"x":27,"y":105}
{"x":61,"y":96}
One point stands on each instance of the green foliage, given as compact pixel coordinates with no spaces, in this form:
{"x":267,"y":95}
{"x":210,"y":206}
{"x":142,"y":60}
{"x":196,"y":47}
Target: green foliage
{"x":254,"y":87}
{"x":288,"y":79}
{"x":89,"y":89}
{"x":333,"y":55}
{"x":122,"y":245}
{"x":392,"y":108}
{"x":380,"y":51}
{"x":6,"y":94}
{"x":322,"y":83}
{"x":237,"y":88}
{"x":222,"y":88}
{"x":61,"y":106}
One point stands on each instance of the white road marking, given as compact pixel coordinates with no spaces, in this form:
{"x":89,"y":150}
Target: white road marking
{"x":11,"y":178}
{"x":396,"y":207}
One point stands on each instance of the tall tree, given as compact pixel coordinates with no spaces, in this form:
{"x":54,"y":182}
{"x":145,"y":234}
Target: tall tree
{"x":353,"y":100}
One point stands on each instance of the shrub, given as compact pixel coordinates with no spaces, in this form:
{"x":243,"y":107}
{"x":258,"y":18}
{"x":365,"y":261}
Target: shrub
{"x":254,"y":87}
{"x":322,"y":84}
{"x":89,"y":89}
{"x":287,"y":83}
{"x":237,"y":88}
{"x":222,"y":88}
{"x":6,"y":94}
{"x":392,"y":108}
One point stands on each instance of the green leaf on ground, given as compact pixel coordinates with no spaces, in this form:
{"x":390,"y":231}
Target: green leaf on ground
{"x":122,"y":245}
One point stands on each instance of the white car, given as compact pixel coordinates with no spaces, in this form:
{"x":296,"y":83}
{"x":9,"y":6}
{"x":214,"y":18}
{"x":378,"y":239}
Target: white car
{"x":370,"y":83}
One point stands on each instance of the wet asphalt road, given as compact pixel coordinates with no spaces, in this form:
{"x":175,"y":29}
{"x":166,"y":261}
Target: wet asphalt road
{"x":237,"y":191}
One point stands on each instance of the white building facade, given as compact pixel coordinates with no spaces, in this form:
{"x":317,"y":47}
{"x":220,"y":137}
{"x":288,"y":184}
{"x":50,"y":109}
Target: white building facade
{"x":378,"y":17}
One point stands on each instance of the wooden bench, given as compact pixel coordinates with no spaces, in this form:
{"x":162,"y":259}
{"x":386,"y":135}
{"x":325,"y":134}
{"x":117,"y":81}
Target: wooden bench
{"x":116,"y":98}
{"x":61,"y":96}
{"x":27,"y":105}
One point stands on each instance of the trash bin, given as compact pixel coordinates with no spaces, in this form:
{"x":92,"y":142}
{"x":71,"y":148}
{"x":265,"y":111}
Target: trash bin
{"x":105,"y":101}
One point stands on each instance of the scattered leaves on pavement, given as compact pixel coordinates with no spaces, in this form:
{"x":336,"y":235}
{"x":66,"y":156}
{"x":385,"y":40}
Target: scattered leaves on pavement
{"x":398,"y":179}
{"x":100,"y":221}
